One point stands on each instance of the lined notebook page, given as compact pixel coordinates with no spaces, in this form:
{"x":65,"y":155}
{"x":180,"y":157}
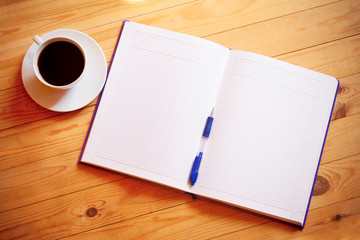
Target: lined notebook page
{"x":160,"y":90}
{"x":270,"y":123}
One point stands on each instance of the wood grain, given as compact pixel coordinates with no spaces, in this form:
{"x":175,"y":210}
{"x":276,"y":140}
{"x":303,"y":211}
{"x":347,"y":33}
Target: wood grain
{"x":43,"y":139}
{"x":339,"y":182}
{"x":46,"y":194}
{"x":225,"y":15}
{"x":16,"y":102}
{"x":17,"y":108}
{"x":336,"y":221}
{"x":335,"y":52}
{"x":79,"y":15}
{"x":222,"y":220}
{"x":348,"y":97}
{"x":49,"y":178}
{"x":185,"y":213}
{"x":295,"y":31}
{"x":313,"y":58}
{"x":343,"y":139}
{"x":106,"y":34}
{"x":69,"y":214}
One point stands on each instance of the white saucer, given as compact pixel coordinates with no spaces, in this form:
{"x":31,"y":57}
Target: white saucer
{"x":79,"y":95}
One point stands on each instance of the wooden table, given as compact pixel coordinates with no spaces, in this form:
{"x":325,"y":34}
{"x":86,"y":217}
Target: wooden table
{"x":46,"y":194}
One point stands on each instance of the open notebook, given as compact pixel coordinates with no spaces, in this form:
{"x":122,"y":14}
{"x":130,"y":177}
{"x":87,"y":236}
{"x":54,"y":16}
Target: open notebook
{"x":270,"y":121}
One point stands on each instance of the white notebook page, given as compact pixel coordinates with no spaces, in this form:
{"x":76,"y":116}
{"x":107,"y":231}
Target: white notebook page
{"x":161,"y":88}
{"x":269,"y":126}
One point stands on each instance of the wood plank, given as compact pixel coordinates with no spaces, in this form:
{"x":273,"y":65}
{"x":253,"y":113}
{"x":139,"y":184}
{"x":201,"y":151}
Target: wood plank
{"x":220,"y":221}
{"x":39,"y":220}
{"x":336,"y":181}
{"x":106,"y":35}
{"x":88,"y":209}
{"x":7,"y":6}
{"x":295,"y":31}
{"x":46,"y":194}
{"x":125,"y":199}
{"x":256,"y":35}
{"x":17,"y":108}
{"x":44,"y":139}
{"x":10,"y":67}
{"x":17,"y":184}
{"x":343,"y":57}
{"x":313,"y":30}
{"x":90,"y":14}
{"x":316,"y":58}
{"x":337,"y":221}
{"x":343,"y":139}
{"x":194,"y":220}
{"x":49,"y":178}
{"x":228,"y":14}
{"x":68,"y":14}
{"x":348,"y":97}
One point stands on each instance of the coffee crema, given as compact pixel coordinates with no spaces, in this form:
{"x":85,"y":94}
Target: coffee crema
{"x":61,"y":63}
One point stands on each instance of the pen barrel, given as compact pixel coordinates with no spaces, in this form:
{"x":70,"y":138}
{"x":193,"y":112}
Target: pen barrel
{"x":195,"y":169}
{"x":203,"y":145}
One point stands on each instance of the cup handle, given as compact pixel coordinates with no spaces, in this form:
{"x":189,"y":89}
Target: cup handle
{"x":38,"y":40}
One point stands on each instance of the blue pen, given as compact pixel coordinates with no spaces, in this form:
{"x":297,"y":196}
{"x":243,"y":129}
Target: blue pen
{"x":206,"y":133}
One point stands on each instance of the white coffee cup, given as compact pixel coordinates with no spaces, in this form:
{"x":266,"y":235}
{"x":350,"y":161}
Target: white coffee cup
{"x":59,"y":62}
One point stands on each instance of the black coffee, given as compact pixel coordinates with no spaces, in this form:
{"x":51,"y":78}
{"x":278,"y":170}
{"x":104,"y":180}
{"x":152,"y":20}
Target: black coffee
{"x":61,"y":63}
